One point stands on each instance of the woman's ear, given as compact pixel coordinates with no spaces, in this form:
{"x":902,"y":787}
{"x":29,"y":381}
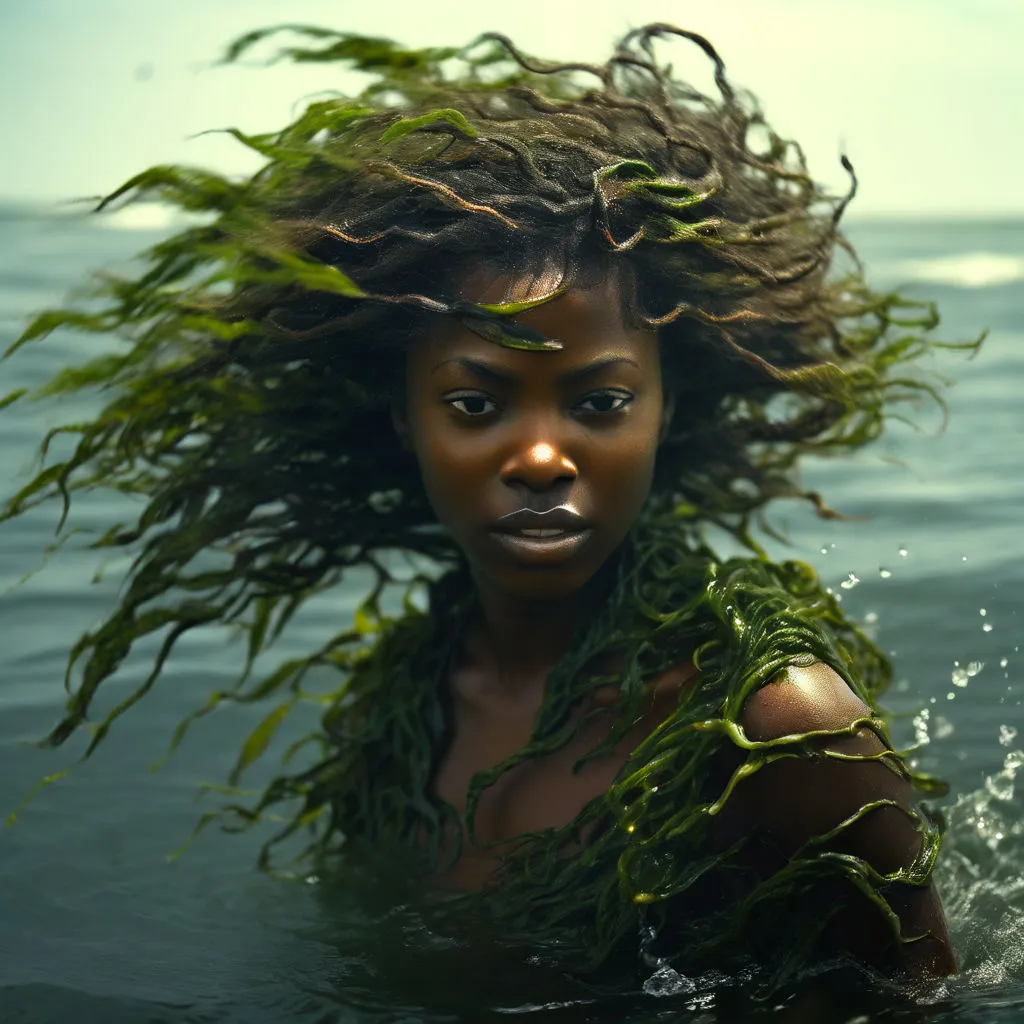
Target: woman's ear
{"x":667,"y":412}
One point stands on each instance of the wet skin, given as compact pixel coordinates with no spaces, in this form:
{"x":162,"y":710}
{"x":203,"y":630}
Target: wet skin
{"x":496,"y":430}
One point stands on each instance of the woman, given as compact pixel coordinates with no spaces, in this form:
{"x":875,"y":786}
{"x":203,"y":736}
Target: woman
{"x":541,"y":325}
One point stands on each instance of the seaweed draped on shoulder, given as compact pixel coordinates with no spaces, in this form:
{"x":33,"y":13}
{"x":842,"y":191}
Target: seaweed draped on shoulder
{"x":648,"y":864}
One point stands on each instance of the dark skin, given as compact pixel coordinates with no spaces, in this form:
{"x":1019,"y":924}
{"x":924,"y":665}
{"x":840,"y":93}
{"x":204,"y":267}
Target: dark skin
{"x":495,"y":430}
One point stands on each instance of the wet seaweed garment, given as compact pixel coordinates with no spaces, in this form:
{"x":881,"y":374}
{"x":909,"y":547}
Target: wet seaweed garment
{"x":650,"y":854}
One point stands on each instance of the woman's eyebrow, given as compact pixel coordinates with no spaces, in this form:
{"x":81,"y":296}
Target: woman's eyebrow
{"x":479,"y":369}
{"x":491,"y":373}
{"x":581,"y":372}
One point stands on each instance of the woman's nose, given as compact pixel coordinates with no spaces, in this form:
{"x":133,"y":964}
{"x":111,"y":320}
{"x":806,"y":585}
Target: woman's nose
{"x":538,"y":466}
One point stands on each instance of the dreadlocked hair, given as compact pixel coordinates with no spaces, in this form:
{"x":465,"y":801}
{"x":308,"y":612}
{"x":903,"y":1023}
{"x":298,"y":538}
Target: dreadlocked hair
{"x":250,"y":409}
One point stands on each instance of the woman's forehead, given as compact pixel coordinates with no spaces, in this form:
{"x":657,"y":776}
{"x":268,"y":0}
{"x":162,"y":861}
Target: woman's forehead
{"x":586,"y":319}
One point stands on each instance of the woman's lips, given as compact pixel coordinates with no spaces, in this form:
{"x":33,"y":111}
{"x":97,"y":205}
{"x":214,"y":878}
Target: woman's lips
{"x":542,"y":545}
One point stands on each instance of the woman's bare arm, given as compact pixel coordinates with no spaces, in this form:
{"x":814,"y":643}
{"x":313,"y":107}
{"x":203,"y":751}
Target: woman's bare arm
{"x":795,"y":799}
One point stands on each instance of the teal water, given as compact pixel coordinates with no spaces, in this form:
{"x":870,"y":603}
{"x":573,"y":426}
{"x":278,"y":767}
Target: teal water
{"x":96,"y":925}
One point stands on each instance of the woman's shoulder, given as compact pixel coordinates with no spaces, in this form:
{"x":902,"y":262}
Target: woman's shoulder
{"x":806,"y":696}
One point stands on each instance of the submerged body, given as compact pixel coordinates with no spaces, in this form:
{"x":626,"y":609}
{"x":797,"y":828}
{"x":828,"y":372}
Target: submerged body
{"x":743,"y":812}
{"x":771,"y":815}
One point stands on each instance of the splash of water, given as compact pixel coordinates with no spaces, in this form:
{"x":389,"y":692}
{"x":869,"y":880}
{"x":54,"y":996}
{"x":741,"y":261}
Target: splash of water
{"x":982,"y":880}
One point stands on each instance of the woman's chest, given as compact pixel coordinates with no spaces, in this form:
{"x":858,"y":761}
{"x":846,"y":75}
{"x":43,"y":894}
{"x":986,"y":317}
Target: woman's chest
{"x":541,"y":792}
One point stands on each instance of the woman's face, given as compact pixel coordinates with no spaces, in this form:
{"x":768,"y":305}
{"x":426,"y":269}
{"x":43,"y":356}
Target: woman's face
{"x":569,"y":434}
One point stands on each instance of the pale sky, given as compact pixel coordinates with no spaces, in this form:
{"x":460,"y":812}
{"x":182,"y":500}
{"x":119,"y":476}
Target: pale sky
{"x":925,"y":96}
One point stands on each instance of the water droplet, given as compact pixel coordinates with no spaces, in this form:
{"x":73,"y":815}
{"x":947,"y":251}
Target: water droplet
{"x":871,"y":618}
{"x":987,"y":628}
{"x":951,"y":695}
{"x":959,"y":677}
{"x":1007,"y":734}
{"x":943,"y":728}
{"x":974,"y":668}
{"x":982,"y":611}
{"x":921,"y":737}
{"x":884,"y":573}
{"x":850,"y":582}
{"x":963,"y":558}
{"x":1000,"y":785}
{"x":1003,"y":662}
{"x":903,"y":552}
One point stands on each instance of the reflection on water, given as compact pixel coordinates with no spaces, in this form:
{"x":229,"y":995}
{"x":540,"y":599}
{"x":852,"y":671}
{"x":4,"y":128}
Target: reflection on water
{"x":97,"y":926}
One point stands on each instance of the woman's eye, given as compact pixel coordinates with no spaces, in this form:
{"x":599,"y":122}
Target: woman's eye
{"x":472,"y":405}
{"x":605,"y":401}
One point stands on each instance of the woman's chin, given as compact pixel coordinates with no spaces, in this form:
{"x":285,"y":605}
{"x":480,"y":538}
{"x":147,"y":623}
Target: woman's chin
{"x":537,"y":583}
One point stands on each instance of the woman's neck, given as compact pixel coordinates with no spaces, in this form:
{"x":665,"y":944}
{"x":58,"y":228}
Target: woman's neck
{"x":513,"y":643}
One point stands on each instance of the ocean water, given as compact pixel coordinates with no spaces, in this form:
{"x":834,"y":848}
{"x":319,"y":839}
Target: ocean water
{"x":97,"y":925}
